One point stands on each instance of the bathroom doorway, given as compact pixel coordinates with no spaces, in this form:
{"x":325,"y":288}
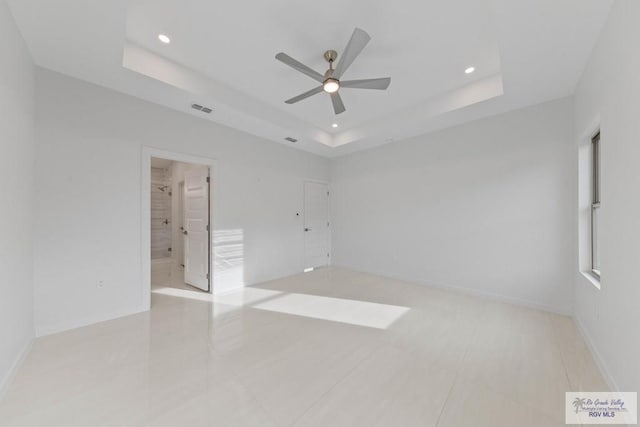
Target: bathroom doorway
{"x":179,"y":194}
{"x":177,"y":216}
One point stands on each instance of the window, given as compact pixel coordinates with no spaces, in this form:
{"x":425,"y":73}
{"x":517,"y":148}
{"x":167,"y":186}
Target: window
{"x":595,"y":205}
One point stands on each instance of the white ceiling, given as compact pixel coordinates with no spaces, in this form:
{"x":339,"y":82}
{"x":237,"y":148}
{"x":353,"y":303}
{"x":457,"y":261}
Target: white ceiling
{"x":222,"y":56}
{"x":227,"y":44}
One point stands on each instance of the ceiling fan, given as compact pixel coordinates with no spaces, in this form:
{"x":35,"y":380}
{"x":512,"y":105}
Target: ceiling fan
{"x":331,"y":82}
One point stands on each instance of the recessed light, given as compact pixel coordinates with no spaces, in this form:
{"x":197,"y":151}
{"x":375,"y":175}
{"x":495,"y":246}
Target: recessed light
{"x":164,"y":38}
{"x":470,"y":70}
{"x":335,"y":125}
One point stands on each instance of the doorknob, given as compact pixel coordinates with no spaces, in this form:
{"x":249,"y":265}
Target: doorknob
{"x":185,"y":232}
{"x":307,"y":229}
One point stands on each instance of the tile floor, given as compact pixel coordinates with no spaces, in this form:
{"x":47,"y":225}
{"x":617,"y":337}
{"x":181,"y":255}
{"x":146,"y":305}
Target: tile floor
{"x":328,"y":348}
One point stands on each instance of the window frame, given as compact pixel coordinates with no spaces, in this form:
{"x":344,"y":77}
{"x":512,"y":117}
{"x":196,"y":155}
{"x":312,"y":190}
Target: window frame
{"x":595,"y":204}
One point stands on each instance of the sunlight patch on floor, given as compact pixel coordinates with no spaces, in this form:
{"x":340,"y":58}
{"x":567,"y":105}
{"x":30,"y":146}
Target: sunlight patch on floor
{"x":246,"y":296}
{"x":361,"y":313}
{"x":184,"y":293}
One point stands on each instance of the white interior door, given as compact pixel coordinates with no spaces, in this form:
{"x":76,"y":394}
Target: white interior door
{"x":316,"y":224}
{"x":196,"y":222}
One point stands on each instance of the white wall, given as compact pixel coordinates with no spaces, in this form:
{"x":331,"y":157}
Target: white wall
{"x":88,"y":218}
{"x":609,"y":95}
{"x":16,"y":189}
{"x":487,"y":207}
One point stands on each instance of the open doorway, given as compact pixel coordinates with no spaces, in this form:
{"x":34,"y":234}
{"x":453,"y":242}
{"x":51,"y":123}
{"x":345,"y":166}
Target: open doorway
{"x":180,"y":223}
{"x":177,"y":222}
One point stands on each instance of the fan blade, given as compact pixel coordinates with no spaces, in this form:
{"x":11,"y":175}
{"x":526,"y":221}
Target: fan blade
{"x":378,"y":84}
{"x":296,"y":65}
{"x":338,"y":106}
{"x":304,"y":95}
{"x":358,"y":41}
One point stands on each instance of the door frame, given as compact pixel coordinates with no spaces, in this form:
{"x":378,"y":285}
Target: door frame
{"x":145,"y":209}
{"x":304,"y":212}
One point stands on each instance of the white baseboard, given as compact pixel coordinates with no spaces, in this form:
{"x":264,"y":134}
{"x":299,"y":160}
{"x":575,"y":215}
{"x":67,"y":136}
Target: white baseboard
{"x":499,"y":298}
{"x":600,"y":362}
{"x":476,"y":293}
{"x":8,"y":379}
{"x":65,"y":326}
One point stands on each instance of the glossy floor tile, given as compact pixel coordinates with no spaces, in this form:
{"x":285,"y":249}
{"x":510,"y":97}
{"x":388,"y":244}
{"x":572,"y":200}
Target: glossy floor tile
{"x":328,"y":348}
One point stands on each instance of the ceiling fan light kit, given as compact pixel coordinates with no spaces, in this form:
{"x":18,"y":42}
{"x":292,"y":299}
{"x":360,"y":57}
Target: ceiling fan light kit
{"x":331,"y":85}
{"x":331,"y":82}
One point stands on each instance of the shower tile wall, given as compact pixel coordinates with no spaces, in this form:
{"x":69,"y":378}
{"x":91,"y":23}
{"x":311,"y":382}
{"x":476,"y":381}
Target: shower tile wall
{"x":160,"y":213}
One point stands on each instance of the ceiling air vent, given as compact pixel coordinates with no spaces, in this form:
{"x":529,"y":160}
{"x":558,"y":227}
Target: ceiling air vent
{"x":201,"y":108}
{"x":291,"y":139}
